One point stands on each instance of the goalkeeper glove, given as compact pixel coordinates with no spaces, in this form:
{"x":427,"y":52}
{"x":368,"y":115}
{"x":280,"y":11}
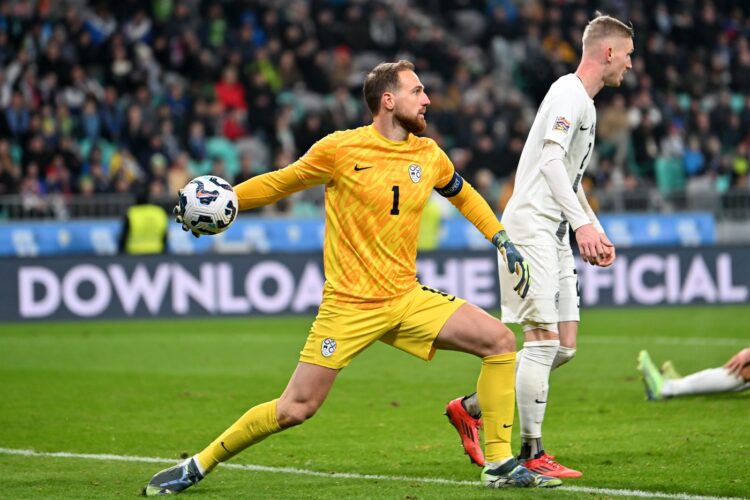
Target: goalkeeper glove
{"x":514,"y":260}
{"x":179,"y":216}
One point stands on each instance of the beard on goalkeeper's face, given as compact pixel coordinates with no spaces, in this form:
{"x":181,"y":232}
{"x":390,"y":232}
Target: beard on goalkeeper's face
{"x":414,"y":124}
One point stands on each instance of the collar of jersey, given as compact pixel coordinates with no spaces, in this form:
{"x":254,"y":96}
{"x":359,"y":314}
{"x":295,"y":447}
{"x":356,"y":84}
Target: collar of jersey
{"x":380,"y":137}
{"x":583,"y":87}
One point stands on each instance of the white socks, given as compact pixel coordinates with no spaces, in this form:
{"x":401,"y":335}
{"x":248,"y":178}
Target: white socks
{"x":703,"y":382}
{"x":533,"y":366}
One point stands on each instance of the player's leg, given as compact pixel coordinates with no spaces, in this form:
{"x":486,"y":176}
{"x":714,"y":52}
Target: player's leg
{"x":435,"y":320}
{"x":707,"y":381}
{"x":335,"y":338}
{"x":532,"y":387}
{"x":538,"y":315}
{"x":472,"y":330}
{"x":669,"y":371}
{"x":428,"y":313}
{"x":653,"y":380}
{"x":550,"y":324}
{"x":305,"y":393}
{"x":464,"y":414}
{"x":703,"y":382}
{"x":467,"y":407}
{"x":568,"y":308}
{"x":553,"y":297}
{"x":568,"y":341}
{"x":532,"y":452}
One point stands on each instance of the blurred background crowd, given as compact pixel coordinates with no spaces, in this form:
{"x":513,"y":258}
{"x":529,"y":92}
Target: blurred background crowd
{"x":101,"y":99}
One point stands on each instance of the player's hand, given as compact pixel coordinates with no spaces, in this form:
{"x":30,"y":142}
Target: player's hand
{"x":738,"y":362}
{"x":609,"y":251}
{"x":514,"y":260}
{"x":590,"y":245}
{"x":179,"y":214}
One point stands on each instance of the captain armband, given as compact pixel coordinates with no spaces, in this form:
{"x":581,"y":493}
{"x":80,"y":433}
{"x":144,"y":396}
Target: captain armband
{"x":453,"y":187}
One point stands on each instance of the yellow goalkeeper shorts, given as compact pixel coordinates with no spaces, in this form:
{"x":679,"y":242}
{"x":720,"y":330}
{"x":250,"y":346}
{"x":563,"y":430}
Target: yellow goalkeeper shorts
{"x":410,"y":324}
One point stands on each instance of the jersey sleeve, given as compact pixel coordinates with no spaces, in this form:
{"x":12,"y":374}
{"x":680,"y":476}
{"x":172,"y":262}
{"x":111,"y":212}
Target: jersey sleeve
{"x":466,"y":199}
{"x":446,"y":172}
{"x":314,"y":167}
{"x":563,"y":116}
{"x":476,"y":209}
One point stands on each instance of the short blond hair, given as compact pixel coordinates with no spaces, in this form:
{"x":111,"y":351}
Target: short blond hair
{"x":383,"y":78}
{"x":604,"y":26}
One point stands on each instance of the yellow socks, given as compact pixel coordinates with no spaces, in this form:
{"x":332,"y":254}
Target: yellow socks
{"x":254,"y":426}
{"x":495,"y":391}
{"x":496,"y":394}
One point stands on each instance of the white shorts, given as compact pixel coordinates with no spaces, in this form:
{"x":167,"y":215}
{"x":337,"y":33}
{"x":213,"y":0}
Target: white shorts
{"x":553,"y":295}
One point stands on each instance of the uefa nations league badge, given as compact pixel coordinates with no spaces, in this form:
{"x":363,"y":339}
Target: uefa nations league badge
{"x":328,"y":347}
{"x":415,"y":172}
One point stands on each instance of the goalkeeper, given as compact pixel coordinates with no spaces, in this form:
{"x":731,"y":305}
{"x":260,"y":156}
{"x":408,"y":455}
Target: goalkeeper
{"x":378,"y":179}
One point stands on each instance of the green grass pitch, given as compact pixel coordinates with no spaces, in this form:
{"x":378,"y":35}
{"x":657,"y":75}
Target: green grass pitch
{"x":166,"y":387}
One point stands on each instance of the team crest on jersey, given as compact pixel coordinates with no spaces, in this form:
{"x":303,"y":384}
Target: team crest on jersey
{"x":415,"y":172}
{"x":562,"y":124}
{"x":328,"y":347}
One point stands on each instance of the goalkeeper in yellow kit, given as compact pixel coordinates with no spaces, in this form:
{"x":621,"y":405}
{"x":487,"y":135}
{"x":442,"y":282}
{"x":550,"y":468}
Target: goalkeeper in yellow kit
{"x":378,"y":179}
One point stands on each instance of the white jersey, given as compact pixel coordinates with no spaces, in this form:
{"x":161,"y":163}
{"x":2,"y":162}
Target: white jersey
{"x":566,"y":116}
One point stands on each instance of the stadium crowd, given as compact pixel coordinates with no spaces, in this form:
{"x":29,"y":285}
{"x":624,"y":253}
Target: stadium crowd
{"x":104,"y":97}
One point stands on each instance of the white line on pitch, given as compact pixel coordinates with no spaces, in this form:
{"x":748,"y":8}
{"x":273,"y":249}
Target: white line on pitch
{"x":350,"y":475}
{"x":645,"y":341}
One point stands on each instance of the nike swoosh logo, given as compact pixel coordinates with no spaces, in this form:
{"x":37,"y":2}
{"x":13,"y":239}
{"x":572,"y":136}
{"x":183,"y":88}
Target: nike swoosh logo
{"x":540,"y":402}
{"x":505,"y":426}
{"x":581,"y":127}
{"x":357,"y":168}
{"x":222,"y":445}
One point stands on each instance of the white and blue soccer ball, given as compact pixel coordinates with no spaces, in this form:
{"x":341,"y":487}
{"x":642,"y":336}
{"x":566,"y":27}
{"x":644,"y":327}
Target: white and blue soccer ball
{"x":208,"y":204}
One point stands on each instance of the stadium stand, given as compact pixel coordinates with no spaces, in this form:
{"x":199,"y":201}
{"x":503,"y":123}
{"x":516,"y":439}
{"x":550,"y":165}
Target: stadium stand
{"x":97,"y":98}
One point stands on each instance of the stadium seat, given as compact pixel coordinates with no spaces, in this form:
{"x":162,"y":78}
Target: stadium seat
{"x":670,"y":177}
{"x":223,"y":148}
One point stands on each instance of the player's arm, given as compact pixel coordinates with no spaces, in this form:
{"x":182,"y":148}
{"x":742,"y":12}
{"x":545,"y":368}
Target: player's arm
{"x":261,"y":190}
{"x":314,"y":167}
{"x":738,"y":361}
{"x":609,"y":247}
{"x":554,"y":173}
{"x":270,"y":187}
{"x":475,"y":208}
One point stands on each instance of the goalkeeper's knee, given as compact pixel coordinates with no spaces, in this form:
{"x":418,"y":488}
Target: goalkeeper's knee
{"x":564,"y":354}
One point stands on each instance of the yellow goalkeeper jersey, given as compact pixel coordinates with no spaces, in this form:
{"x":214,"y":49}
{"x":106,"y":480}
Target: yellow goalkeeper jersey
{"x":376,"y":190}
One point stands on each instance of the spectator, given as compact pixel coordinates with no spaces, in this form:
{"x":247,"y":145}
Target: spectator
{"x":91,"y":126}
{"x":229,"y":91}
{"x":178,"y":175}
{"x":253,"y":73}
{"x":17,"y":118}
{"x":10,"y":173}
{"x":693,"y":160}
{"x":144,"y":227}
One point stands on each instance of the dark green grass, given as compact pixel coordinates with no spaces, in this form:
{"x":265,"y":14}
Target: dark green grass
{"x":162,"y":388}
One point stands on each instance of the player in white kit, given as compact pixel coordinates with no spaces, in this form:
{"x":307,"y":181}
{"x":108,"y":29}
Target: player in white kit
{"x":666,"y":383}
{"x":547,"y":199}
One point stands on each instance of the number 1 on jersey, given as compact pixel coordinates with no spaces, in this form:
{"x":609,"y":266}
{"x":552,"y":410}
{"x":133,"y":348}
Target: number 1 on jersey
{"x":394,"y":209}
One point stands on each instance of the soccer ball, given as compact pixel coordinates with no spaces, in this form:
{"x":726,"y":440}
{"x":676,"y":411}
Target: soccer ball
{"x":208,"y":204}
